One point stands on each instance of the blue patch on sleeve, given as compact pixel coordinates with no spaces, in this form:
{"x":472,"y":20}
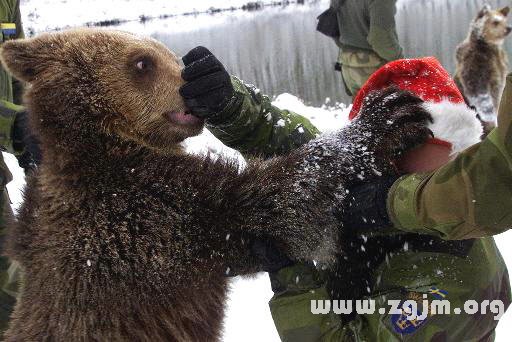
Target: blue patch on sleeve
{"x":403,"y":326}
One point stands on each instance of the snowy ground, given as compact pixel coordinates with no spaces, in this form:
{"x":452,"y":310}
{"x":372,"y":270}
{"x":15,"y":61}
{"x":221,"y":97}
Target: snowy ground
{"x":248,"y":318}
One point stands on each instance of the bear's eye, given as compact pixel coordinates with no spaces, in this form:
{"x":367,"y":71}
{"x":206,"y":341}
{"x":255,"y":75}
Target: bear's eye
{"x":143,"y":64}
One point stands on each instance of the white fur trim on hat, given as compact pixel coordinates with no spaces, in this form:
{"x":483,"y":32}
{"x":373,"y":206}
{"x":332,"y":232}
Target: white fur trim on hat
{"x":455,"y":123}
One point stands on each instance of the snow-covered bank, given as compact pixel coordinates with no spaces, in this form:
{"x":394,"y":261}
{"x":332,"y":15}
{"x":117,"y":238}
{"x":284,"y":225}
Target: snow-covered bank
{"x":44,"y":15}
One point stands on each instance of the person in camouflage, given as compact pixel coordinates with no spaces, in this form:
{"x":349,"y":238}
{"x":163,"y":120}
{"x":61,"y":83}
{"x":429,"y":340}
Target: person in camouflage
{"x":368,"y":39}
{"x":478,"y":181}
{"x":16,"y":139}
{"x":458,"y":271}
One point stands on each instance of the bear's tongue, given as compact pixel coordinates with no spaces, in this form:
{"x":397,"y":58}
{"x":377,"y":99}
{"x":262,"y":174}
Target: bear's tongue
{"x":182,"y":118}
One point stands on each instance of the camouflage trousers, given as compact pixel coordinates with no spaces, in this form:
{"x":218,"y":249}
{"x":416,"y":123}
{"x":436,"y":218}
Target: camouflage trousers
{"x":356,"y":67}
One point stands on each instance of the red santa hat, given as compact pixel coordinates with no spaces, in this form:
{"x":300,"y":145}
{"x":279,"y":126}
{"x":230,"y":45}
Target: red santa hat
{"x":455,"y":124}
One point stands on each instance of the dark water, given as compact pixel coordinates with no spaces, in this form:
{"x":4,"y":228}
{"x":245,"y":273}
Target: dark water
{"x":279,"y":50}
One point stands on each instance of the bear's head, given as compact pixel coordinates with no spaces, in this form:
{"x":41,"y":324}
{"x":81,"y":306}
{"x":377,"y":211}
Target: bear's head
{"x":91,"y":81}
{"x":491,"y":25}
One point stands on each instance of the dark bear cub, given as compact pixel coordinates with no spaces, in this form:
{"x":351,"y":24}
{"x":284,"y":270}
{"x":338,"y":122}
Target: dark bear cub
{"x":125,"y":237}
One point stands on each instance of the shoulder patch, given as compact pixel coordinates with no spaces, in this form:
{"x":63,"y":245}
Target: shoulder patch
{"x":403,"y":326}
{"x":437,"y":293}
{"x":8,"y":30}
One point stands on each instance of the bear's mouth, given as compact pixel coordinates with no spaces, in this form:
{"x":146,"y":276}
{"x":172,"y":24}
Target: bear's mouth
{"x":183,"y":118}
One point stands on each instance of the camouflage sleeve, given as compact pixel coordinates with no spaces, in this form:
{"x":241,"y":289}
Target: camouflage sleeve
{"x":469,"y":197}
{"x":17,"y":87}
{"x":382,"y":35}
{"x":8,"y":112}
{"x":17,"y":20}
{"x":253,"y":126}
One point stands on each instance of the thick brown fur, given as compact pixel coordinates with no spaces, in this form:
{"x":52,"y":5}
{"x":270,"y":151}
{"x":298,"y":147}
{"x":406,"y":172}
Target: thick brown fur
{"x":125,"y":237}
{"x":482,"y":63}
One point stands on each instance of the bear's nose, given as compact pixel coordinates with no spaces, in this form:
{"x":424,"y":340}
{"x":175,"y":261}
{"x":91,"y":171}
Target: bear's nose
{"x":509,"y":29}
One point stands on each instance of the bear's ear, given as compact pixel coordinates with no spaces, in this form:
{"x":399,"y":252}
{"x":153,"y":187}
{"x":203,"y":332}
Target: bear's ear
{"x":505,"y":11}
{"x":25,"y":59}
{"x":485,"y":10}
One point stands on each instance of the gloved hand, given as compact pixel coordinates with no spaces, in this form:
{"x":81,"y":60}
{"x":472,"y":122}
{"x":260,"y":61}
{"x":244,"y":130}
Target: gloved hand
{"x":23,"y":139}
{"x":367,"y":205}
{"x":269,"y":255}
{"x":208,"y":89}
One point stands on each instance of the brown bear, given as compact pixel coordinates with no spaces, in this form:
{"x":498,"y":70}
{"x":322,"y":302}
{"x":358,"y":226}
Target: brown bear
{"x":125,"y":237}
{"x":482,"y":63}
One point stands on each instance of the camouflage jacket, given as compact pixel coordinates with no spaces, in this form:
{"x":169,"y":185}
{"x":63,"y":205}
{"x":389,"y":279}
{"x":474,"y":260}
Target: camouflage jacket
{"x":10,"y":89}
{"x":10,"y":94}
{"x":9,"y":14}
{"x":368,"y":25}
{"x":252,"y":125}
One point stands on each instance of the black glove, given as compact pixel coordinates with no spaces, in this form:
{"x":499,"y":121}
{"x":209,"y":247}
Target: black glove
{"x":24,"y":140}
{"x":269,"y":255}
{"x":208,"y":89}
{"x":367,"y":205}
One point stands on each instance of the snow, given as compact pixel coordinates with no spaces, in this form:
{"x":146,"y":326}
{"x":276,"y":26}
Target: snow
{"x":46,"y":15}
{"x":248,"y":317}
{"x":327,"y":118}
{"x":485,"y":106}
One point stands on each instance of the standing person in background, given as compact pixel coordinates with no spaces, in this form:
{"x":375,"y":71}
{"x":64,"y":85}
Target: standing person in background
{"x":367,"y":40}
{"x":14,"y":138}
